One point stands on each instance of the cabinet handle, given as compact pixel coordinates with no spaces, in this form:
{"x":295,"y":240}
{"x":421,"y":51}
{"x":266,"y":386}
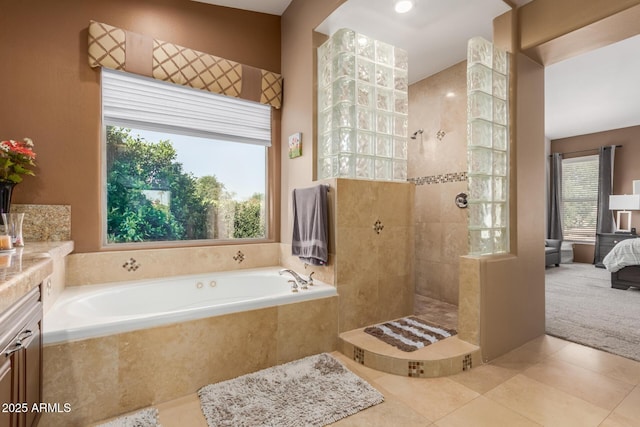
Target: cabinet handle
{"x":25,"y":334}
{"x":18,"y":347}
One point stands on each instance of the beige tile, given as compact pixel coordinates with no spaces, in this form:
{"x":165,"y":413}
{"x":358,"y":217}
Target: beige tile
{"x":307,"y":328}
{"x":484,"y":378}
{"x":599,"y":361}
{"x":83,"y":374}
{"x":362,"y":371}
{"x":593,"y":387}
{"x":391,"y":412}
{"x":355,"y":204}
{"x":180,"y":412}
{"x":630,"y":406}
{"x":358,"y":304}
{"x":617,"y":420}
{"x":546,"y":405}
{"x":432,"y":397}
{"x":483,"y":412}
{"x":530,"y":353}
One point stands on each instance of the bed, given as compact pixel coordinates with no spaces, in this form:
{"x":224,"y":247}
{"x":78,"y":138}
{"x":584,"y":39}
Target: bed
{"x":623,"y":262}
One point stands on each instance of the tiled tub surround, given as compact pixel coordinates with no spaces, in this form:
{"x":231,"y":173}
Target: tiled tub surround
{"x":106,"y":376}
{"x":129,"y":370}
{"x":83,"y":312}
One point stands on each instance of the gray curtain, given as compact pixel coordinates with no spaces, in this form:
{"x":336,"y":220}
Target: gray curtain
{"x":604,"y":221}
{"x":554,"y":217}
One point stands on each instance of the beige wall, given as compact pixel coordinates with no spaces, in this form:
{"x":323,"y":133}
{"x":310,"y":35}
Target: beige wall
{"x":438,"y":167}
{"x":50,"y":93}
{"x":299,"y":102}
{"x":554,"y":30}
{"x":626,"y":163}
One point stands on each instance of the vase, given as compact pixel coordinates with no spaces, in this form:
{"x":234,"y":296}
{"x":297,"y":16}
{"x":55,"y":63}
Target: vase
{"x":6,"y":188}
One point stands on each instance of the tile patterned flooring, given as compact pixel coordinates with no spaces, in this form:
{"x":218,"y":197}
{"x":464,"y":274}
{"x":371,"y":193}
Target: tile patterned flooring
{"x":546,"y":382}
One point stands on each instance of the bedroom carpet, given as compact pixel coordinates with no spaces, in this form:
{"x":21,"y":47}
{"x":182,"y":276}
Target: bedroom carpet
{"x":582,"y":307}
{"x":314,"y":391}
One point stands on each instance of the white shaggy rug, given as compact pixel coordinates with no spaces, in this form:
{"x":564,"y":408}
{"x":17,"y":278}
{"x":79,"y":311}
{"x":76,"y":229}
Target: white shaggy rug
{"x":314,"y":391}
{"x":144,"y":418}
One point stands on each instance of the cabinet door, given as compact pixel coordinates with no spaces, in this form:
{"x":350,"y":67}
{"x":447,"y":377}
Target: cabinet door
{"x":8,"y":390}
{"x":31,"y":359}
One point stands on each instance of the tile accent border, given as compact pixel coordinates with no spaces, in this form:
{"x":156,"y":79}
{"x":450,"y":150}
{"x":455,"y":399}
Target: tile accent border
{"x":358,"y":355}
{"x":440,"y":179}
{"x":467,"y":362}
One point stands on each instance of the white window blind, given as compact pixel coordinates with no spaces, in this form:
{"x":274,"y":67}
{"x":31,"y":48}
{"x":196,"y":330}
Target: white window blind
{"x":139,"y":102}
{"x":580,"y":198}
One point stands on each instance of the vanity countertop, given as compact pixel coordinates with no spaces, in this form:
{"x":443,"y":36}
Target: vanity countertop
{"x":27,"y":267}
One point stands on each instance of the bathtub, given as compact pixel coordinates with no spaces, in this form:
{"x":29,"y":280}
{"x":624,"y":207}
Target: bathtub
{"x":91,"y":311}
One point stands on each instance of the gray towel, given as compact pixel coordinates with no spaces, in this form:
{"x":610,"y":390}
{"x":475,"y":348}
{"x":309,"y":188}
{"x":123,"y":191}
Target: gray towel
{"x":310,"y":225}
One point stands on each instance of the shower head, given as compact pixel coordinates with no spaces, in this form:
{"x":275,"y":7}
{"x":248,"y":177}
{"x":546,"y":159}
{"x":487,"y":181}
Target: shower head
{"x":415,"y":134}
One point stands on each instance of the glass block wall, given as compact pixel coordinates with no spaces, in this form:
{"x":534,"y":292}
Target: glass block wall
{"x":487,"y":147}
{"x":362,"y":108}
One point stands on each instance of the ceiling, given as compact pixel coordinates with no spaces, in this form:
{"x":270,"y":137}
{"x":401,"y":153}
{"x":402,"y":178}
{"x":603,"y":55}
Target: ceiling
{"x":594,"y":92}
{"x":589,"y":93}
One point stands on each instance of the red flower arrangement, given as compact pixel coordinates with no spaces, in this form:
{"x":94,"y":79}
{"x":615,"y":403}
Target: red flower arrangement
{"x":16,"y":159}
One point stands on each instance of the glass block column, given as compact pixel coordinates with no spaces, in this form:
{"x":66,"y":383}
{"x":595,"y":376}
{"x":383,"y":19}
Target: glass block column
{"x":487,"y":147}
{"x":363,"y":108}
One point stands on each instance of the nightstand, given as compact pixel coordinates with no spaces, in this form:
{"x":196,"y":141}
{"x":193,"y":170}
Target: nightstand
{"x":606,"y":241}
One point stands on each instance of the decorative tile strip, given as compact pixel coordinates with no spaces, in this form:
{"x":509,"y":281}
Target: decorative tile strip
{"x":358,"y":355}
{"x":378,"y":226}
{"x":239,"y":257}
{"x":467,"y":362}
{"x":440,"y":179}
{"x":131,"y":265}
{"x":415,"y":369}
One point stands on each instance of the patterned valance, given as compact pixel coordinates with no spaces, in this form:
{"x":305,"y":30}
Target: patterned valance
{"x":120,"y":49}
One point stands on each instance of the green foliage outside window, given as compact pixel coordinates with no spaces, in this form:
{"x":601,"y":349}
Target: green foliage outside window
{"x":151,"y":198}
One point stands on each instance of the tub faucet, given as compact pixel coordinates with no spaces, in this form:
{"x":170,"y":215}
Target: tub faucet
{"x":299,"y":280}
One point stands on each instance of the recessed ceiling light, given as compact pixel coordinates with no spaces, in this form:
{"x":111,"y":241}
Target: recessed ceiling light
{"x":403,"y":6}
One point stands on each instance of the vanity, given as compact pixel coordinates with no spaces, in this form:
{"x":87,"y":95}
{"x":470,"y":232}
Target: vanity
{"x":25,"y":280}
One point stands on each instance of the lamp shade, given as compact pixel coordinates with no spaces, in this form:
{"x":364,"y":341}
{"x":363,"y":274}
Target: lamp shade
{"x":627,"y":202}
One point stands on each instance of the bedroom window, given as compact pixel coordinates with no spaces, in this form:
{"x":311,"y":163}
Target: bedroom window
{"x":182,"y":164}
{"x":580,"y":198}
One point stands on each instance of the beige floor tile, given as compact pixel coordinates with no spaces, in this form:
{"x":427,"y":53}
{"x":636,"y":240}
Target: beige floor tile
{"x":530,"y":353}
{"x":614,"y":366}
{"x":630,"y":406}
{"x":184,"y":411}
{"x":483,"y":378}
{"x":432,"y":397}
{"x":617,"y":420}
{"x":546,"y":405}
{"x":392,"y":412}
{"x":596,"y":388}
{"x":483,"y":412}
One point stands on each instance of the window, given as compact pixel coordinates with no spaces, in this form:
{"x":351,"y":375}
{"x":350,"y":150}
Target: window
{"x":580,"y":198}
{"x":181,"y":163}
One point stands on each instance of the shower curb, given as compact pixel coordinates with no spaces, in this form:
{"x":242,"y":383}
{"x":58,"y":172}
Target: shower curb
{"x":446,"y":357}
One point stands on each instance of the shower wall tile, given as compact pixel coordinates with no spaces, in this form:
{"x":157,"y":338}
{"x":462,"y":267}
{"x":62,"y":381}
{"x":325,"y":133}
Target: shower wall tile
{"x":438,"y":168}
{"x":469,"y":300}
{"x":374,"y":265}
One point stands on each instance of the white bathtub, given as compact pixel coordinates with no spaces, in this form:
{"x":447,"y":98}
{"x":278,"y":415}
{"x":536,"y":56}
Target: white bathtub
{"x":92,"y":311}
